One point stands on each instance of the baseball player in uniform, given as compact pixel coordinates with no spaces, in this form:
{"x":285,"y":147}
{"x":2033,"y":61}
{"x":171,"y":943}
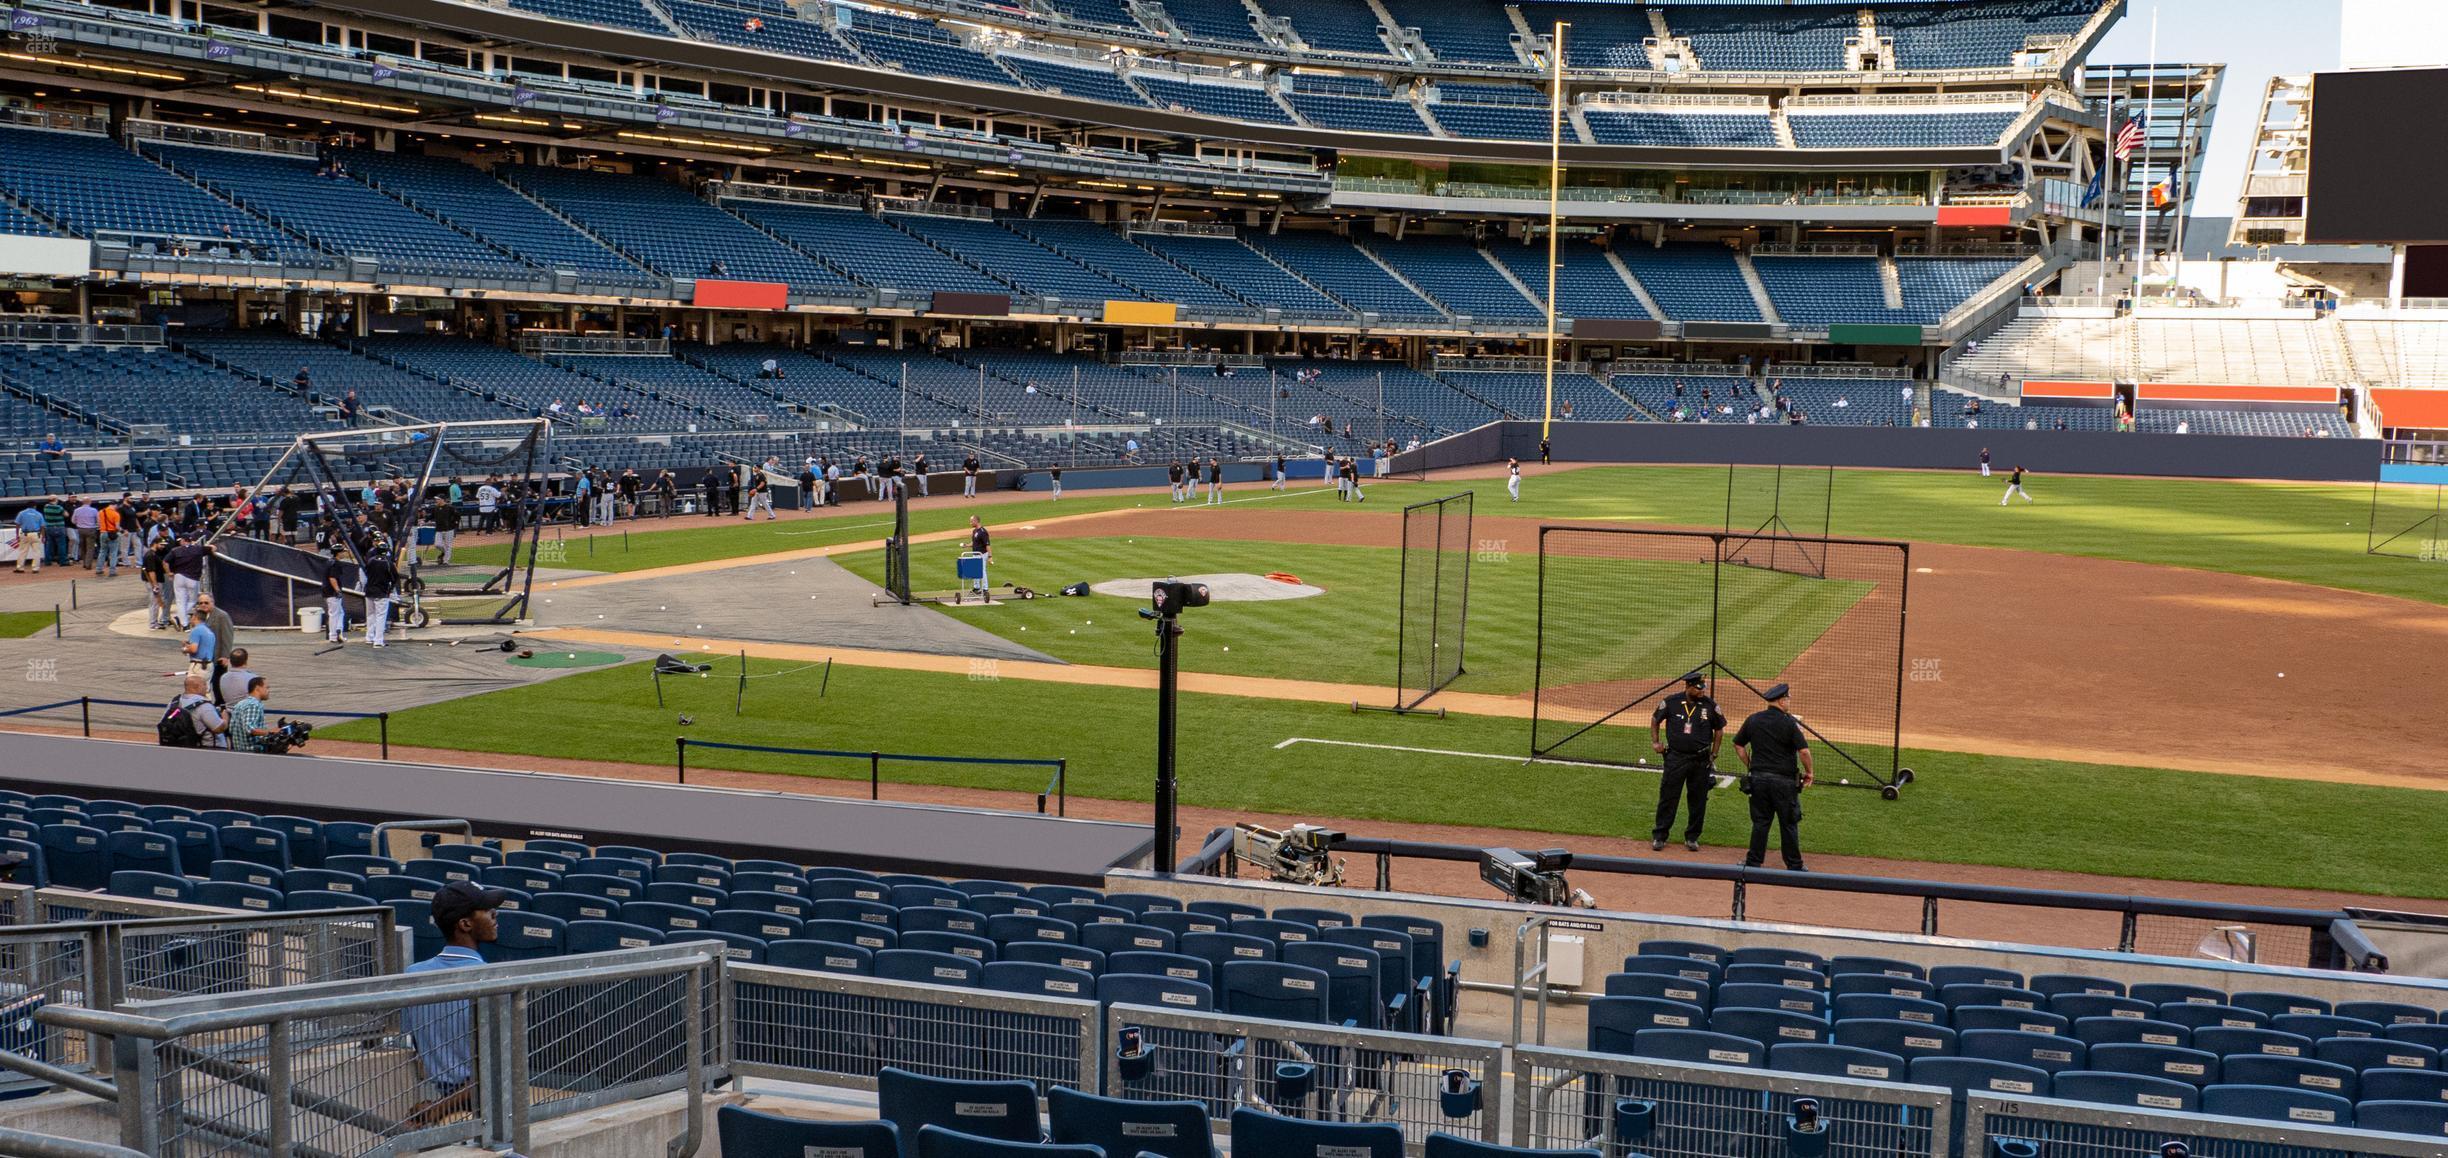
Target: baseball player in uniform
{"x":1173,"y":477}
{"x":1513,"y":478}
{"x":980,"y":543}
{"x":2014,"y":486}
{"x":1984,"y":462}
{"x":918,"y":469}
{"x":1215,"y":482}
{"x":1053,"y":475}
{"x":1776,"y":752}
{"x":969,"y":467}
{"x":1688,"y":729}
{"x":1279,"y":471}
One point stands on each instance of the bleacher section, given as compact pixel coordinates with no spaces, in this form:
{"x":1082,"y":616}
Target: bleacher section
{"x":1865,"y":401}
{"x":1587,"y":285}
{"x":1860,"y":130}
{"x":341,"y":215}
{"x":334,"y":371}
{"x":1453,"y":273}
{"x":1934,"y":287}
{"x":1224,"y":21}
{"x":1602,"y":35}
{"x":1014,"y":258}
{"x":1094,"y":82}
{"x":1818,"y":291}
{"x":1358,"y":114}
{"x":1239,"y":101}
{"x":927,"y":56}
{"x":18,"y":221}
{"x":1503,"y":122}
{"x":1658,"y":393}
{"x":1626,"y":125}
{"x":1113,"y":255}
{"x":1983,"y":35}
{"x":1335,"y":265}
{"x":1693,"y":282}
{"x":115,"y":387}
{"x":1734,"y":38}
{"x":1336,"y":26}
{"x":865,"y":385}
{"x":772,"y":32}
{"x":92,"y":185}
{"x":865,"y":248}
{"x":1579,"y":397}
{"x":629,"y":14}
{"x":1228,"y":261}
{"x":475,"y":202}
{"x":671,"y":230}
{"x":1474,"y":34}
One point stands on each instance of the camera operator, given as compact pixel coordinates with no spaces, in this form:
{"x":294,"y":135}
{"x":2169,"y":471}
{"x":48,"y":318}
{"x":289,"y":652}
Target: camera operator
{"x":1689,"y":730}
{"x":247,"y":726}
{"x":1773,"y":747}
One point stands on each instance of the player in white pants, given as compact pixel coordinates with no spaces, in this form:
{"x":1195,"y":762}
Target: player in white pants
{"x":1984,"y":462}
{"x":2014,"y":486}
{"x":1513,"y":478}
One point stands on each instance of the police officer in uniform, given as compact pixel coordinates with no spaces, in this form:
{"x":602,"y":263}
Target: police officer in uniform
{"x":1688,"y":728}
{"x":1773,"y":747}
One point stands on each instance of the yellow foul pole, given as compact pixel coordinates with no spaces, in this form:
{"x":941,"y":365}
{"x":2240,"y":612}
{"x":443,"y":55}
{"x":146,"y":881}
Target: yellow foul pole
{"x":1555,"y":197}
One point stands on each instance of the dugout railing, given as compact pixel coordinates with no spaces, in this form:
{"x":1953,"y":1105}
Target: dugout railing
{"x":2318,"y":938}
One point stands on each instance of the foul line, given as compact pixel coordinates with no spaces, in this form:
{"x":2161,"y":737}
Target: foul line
{"x":830,"y":530}
{"x":1451,"y":752}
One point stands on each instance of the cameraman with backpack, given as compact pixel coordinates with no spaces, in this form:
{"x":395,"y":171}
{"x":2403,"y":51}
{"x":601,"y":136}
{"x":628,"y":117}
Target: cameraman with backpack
{"x":191,"y":720}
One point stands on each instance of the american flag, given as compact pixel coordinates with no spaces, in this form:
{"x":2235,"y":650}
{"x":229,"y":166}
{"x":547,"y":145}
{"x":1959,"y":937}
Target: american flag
{"x":2129,"y":138}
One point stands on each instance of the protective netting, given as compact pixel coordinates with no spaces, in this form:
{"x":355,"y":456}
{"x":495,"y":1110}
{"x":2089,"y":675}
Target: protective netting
{"x":1435,"y":596}
{"x":1624,"y":613}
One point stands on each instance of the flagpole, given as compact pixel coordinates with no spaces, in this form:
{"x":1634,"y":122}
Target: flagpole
{"x":1555,"y":197}
{"x":2179,"y":178}
{"x":2150,"y":125}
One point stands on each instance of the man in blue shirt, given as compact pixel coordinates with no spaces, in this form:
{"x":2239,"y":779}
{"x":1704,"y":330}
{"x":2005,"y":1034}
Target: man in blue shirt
{"x":30,"y":539}
{"x":444,"y":1032}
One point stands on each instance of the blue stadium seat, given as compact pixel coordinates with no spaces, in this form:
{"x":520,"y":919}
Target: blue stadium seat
{"x":2387,"y":1012}
{"x":570,"y":849}
{"x":928,"y":967}
{"x":2278,"y":1104}
{"x":1778,"y":955}
{"x":2277,"y":1004}
{"x":2054,"y":984}
{"x":1945,"y":975}
{"x":1837,"y":1061}
{"x":1166,"y":1129}
{"x":1004,"y":930}
{"x":938,"y":1142}
{"x":2175,"y":992}
{"x":247,"y":873}
{"x":2403,"y":1117}
{"x":1002,"y":905}
{"x":1979,"y":1075}
{"x":1037,"y":980}
{"x":864,"y":912}
{"x":1768,"y":1026}
{"x":1846,"y":984}
{"x":521,"y":935}
{"x":76,"y":856}
{"x":1272,"y":990}
{"x":797,"y":908}
{"x":645,"y":856}
{"x":1128,"y":938}
{"x":606,"y":936}
{"x":670,"y":920}
{"x":2198,"y":1017}
{"x":1147,"y":989}
{"x":2319,"y":1025}
{"x":738,"y":947}
{"x":1672,"y":965}
{"x":1179,"y":966}
{"x":1077,"y":957}
{"x":2254,"y":1069}
{"x":1184,"y":923}
{"x":2434,"y":1036}
{"x":2040,"y":1051}
{"x":574,"y":907}
{"x":1355,"y":986}
{"x":821,"y":956}
{"x":2124,"y":1089}
{"x":144,"y":852}
{"x":328,"y":880}
{"x":1843,"y":964}
{"x":1741,"y":974}
{"x":1085,"y":914}
{"x":30,"y":873}
{"x":1615,"y":1021}
{"x":2083,"y":1005}
{"x":695,"y":876}
{"x":1002,"y":1110}
{"x":525,"y":880}
{"x":749,"y":1132}
{"x":837,"y":872}
{"x":2228,"y":1042}
{"x":407,"y":888}
{"x":1219,"y":949}
{"x":1662,"y":986}
{"x":1884,"y":1006}
{"x":551,"y":862}
{"x":1066,"y":894}
{"x":922,"y":896}
{"x":40,"y":817}
{"x":1746,"y":995}
{"x":768,"y":927}
{"x":306,"y":846}
{"x":1260,"y":1133}
{"x":2376,"y":1053}
{"x":975,"y":948}
{"x":872,"y":937}
{"x":347,"y":838}
{"x":933,"y":919}
{"x":627,"y":868}
{"x":2173,"y":1063}
{"x":362,"y":864}
{"x":1971,"y":1017}
{"x":1698,"y":1045}
{"x":246,"y":897}
{"x":1906,"y":1039}
{"x":1957,"y":996}
{"x":759,"y":881}
{"x":1282,"y":933}
{"x":1143,"y":903}
{"x":2404,"y":1086}
{"x":152,"y":886}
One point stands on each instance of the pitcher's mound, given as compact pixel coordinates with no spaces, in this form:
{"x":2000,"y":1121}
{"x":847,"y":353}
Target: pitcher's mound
{"x":1237,"y":586}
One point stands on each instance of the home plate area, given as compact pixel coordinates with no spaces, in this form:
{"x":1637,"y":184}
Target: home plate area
{"x":1237,"y":586}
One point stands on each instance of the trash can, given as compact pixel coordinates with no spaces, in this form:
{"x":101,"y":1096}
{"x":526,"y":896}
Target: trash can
{"x":310,"y":620}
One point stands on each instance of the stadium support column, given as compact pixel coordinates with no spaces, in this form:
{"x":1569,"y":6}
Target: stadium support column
{"x":1168,"y":692}
{"x":1555,"y":200}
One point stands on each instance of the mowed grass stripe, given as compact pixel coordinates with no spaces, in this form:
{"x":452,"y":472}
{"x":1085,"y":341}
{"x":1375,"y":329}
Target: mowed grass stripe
{"x":1967,"y":809}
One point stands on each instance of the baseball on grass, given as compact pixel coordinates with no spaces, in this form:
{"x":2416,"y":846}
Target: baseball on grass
{"x":1844,"y":782}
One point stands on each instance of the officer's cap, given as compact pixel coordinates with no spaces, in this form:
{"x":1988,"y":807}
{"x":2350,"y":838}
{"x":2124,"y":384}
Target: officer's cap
{"x":1775,"y":692}
{"x":1695,"y":679}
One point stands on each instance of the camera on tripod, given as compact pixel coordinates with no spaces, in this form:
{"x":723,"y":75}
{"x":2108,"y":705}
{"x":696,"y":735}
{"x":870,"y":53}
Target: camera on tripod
{"x":1532,"y":878}
{"x":1171,"y":596}
{"x":287,"y":736}
{"x":1300,"y":855}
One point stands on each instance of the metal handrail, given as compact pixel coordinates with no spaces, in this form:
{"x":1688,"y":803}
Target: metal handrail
{"x":27,"y":1144}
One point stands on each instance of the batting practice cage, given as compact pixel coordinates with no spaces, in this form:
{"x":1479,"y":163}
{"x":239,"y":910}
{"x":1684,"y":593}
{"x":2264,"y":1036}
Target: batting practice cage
{"x":1781,"y":511}
{"x":1624,"y":613}
{"x":1433,"y":598}
{"x":2405,"y":521}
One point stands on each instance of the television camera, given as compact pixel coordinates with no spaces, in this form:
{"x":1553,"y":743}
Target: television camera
{"x":1299,"y":855}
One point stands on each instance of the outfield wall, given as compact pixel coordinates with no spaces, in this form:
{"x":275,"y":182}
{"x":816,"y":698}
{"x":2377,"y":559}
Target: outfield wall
{"x":2043,"y":451}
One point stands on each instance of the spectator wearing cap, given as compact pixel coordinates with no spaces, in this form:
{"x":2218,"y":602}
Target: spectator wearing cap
{"x":1687,"y":729}
{"x":1777,"y":753}
{"x":444,"y":1032}
{"x":29,"y":524}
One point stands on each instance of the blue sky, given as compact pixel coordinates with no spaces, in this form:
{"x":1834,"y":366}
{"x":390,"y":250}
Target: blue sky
{"x":2255,"y":39}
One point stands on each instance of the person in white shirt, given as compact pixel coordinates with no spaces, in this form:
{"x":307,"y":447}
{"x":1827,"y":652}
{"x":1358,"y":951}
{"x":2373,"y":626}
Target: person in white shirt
{"x":1513,"y":478}
{"x":488,"y":506}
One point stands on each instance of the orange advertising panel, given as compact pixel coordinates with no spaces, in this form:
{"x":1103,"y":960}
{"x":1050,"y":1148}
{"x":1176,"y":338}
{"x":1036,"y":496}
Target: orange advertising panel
{"x":2036,"y":388}
{"x":1976,"y":215}
{"x":741,"y":295}
{"x":2412,"y":409}
{"x":1141,"y":313}
{"x":2199,"y":392}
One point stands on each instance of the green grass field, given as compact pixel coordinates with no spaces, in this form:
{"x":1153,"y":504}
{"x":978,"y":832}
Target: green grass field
{"x":20,"y":624}
{"x":2033,"y":814}
{"x":1346,"y":634}
{"x":2299,"y":532}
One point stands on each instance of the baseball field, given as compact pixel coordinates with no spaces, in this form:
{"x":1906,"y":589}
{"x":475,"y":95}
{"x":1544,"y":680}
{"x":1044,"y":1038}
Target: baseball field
{"x":2163,"y":679}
